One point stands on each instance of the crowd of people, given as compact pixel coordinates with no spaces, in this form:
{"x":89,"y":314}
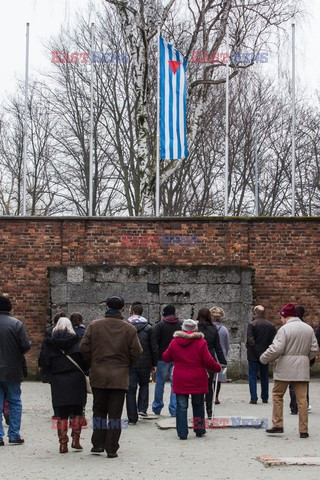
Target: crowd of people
{"x":119,"y":355}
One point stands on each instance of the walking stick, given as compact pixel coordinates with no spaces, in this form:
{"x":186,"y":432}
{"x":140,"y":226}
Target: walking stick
{"x":223,"y":370}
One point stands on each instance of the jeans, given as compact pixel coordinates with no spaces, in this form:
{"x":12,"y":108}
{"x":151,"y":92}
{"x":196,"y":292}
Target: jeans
{"x":13,"y":393}
{"x":141,"y":377}
{"x":254,"y":367}
{"x":182,"y":414}
{"x":163,"y":369}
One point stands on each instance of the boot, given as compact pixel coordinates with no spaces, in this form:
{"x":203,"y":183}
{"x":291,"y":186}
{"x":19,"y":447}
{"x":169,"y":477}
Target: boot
{"x":76,"y":431}
{"x":209,"y":411}
{"x":62,"y":426}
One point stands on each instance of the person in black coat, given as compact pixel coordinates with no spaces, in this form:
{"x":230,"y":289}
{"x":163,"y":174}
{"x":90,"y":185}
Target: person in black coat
{"x":211,"y":335}
{"x":260,"y":334}
{"x":68,"y":384}
{"x":139,"y":374}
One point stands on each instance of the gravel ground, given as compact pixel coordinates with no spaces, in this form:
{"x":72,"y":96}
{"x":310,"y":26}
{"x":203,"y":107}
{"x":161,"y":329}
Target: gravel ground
{"x":149,"y":453}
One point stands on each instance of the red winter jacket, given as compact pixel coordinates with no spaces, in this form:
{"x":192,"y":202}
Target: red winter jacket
{"x":191,"y":357}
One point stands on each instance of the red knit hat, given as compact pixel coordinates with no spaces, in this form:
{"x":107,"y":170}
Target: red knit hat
{"x":288,"y":310}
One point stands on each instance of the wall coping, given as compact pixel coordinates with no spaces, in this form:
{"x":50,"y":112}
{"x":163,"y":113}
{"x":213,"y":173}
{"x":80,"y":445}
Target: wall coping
{"x":161,"y":219}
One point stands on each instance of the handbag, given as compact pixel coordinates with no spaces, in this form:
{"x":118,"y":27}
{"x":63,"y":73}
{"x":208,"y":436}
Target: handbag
{"x":88,"y":386}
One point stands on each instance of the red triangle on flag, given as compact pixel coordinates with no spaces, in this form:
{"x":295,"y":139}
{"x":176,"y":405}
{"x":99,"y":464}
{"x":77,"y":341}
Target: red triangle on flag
{"x":174,"y":65}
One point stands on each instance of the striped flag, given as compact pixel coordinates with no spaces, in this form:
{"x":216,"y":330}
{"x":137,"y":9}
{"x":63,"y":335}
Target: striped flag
{"x":173,"y":103}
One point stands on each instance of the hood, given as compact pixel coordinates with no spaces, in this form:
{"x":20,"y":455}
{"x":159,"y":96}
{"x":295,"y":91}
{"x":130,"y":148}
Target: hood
{"x":63,"y":341}
{"x":136,"y":319}
{"x":171,"y":319}
{"x":187,"y":338}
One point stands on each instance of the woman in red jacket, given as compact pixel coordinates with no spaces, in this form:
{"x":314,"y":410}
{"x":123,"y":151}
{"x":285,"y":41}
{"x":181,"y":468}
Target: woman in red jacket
{"x":189,"y":352}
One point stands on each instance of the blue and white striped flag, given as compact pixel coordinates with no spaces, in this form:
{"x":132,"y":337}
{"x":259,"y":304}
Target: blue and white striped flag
{"x":173,"y":103}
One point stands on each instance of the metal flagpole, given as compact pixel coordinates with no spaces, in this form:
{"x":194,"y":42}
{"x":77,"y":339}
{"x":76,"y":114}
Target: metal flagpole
{"x":91,"y":129}
{"x":158,"y":133}
{"x":25,"y":128}
{"x":226,"y":171}
{"x":293,"y":179}
{"x":256,"y":190}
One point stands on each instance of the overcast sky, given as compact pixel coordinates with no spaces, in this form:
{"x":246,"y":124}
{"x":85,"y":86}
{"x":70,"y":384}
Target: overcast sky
{"x":46,"y":17}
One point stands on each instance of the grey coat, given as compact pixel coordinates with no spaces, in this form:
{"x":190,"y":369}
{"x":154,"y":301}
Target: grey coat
{"x":224,"y":341}
{"x":14,"y":342}
{"x":292,"y":349}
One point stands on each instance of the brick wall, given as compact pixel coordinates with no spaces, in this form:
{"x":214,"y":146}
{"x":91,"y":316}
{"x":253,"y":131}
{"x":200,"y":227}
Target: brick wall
{"x":283,"y":252}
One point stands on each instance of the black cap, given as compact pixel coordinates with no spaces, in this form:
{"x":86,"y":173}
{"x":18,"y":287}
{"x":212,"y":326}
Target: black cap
{"x":169,"y":310}
{"x":5,"y":304}
{"x":115,"y":302}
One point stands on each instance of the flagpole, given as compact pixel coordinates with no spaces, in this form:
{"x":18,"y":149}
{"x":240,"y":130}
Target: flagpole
{"x":293,"y":132}
{"x":256,"y":190}
{"x":226,"y":172}
{"x":25,"y":127}
{"x":91,"y":129}
{"x":158,"y":133}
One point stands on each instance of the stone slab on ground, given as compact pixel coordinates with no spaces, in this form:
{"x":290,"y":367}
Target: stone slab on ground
{"x":270,"y":461}
{"x":217,"y":422}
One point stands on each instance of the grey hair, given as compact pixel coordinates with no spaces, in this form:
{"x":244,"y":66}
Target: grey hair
{"x":63,"y":325}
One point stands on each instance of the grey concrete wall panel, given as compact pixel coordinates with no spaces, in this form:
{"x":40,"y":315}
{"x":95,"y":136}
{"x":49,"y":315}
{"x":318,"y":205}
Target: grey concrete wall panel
{"x":210,"y":274}
{"x":58,"y":275}
{"x":83,"y":288}
{"x":59,"y":294}
{"x":74,"y":274}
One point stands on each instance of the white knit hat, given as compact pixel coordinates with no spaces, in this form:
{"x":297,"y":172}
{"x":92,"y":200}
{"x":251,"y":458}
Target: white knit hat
{"x":190,"y":325}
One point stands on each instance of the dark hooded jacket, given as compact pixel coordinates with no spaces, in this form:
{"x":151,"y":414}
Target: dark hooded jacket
{"x":164,"y":331}
{"x":68,"y":385}
{"x":148,"y":341}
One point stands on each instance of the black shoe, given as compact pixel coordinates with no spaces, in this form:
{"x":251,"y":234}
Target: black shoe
{"x":254,"y":402}
{"x":112,"y":455}
{"x":18,"y":441}
{"x":200,"y":434}
{"x":293,"y":412}
{"x":304,"y":435}
{"x":274,"y":430}
{"x":1,"y":443}
{"x":97,"y":450}
{"x":264,"y":401}
{"x":132,"y":423}
{"x":183,"y":438}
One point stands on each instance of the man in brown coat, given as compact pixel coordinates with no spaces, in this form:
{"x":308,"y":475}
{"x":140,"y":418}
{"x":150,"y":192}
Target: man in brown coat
{"x":292,"y":349}
{"x":110,"y":346}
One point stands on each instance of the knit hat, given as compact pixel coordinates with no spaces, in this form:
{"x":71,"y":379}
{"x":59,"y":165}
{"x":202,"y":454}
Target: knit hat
{"x":190,"y":325}
{"x":169,"y":310}
{"x":217,"y":312}
{"x":289,"y":310}
{"x":117,"y":303}
{"x":5,"y":304}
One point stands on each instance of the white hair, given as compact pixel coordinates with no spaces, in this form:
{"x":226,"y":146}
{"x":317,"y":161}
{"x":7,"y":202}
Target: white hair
{"x":63,"y":324}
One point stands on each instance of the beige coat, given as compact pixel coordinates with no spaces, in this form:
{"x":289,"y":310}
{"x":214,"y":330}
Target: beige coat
{"x":110,"y":346}
{"x":292,"y":349}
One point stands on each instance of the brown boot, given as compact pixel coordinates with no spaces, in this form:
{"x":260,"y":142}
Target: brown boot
{"x":62,"y":428}
{"x":76,"y":423}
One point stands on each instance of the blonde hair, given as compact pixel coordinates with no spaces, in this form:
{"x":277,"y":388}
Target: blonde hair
{"x":217,"y":312}
{"x":63,"y":325}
